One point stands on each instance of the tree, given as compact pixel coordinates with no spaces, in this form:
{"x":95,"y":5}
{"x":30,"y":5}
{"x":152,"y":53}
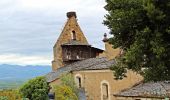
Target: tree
{"x":67,"y":90}
{"x":142,"y":29}
{"x":35,"y":89}
{"x":68,"y":80}
{"x":63,"y":92}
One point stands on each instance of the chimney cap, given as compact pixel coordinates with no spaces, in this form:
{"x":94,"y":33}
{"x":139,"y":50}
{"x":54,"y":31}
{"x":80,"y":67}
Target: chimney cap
{"x":105,"y":39}
{"x":71,"y":14}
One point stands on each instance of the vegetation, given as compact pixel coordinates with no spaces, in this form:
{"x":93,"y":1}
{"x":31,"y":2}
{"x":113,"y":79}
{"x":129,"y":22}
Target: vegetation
{"x":142,"y":29}
{"x":67,"y":90}
{"x":11,"y":84}
{"x":9,"y":95}
{"x":35,"y":89}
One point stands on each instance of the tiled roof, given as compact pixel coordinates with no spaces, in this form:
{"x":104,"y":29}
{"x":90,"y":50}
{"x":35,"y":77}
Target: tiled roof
{"x":88,"y":64}
{"x":151,"y":89}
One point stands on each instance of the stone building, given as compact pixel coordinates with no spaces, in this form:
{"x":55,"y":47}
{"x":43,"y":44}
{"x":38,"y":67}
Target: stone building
{"x":146,"y":91}
{"x":89,"y":66}
{"x":72,"y":45}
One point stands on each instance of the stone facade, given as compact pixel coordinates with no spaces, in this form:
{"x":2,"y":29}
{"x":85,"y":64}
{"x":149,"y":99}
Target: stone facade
{"x":98,"y":82}
{"x":109,"y":52}
{"x":65,"y":37}
{"x":91,"y":81}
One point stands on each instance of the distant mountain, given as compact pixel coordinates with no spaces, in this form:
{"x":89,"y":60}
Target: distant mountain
{"x":12,"y":76}
{"x":16,"y":72}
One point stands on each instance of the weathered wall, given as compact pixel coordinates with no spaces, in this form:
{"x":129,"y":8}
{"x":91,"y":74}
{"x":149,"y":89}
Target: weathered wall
{"x":109,"y":52}
{"x":65,"y":37}
{"x":92,"y":82}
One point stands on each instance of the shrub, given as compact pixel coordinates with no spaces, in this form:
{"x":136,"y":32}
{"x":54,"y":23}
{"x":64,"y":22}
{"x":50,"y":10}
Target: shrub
{"x":35,"y":89}
{"x":67,"y":90}
{"x":9,"y":95}
{"x":3,"y":98}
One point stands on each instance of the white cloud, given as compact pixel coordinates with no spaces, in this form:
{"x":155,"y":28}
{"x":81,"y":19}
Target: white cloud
{"x":24,"y":59}
{"x":29,"y":28}
{"x":60,"y":4}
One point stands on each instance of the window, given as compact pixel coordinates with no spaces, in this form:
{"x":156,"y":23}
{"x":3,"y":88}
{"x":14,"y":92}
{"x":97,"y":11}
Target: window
{"x":77,"y":56}
{"x":105,"y":91}
{"x":68,"y":55}
{"x":78,"y":81}
{"x":73,"y":35}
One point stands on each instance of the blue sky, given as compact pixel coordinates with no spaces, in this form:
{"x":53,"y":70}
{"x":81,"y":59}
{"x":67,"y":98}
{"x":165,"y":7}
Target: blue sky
{"x":29,"y":28}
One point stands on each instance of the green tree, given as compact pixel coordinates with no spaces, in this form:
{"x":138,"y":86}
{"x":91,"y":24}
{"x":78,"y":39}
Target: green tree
{"x":68,"y":80}
{"x":35,"y":89}
{"x":142,"y":29}
{"x":63,"y":92}
{"x":67,"y":90}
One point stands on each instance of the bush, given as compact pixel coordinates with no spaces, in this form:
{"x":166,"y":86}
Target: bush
{"x":35,"y":89}
{"x":67,"y":90}
{"x":9,"y":95}
{"x":63,"y":92}
{"x":3,"y":98}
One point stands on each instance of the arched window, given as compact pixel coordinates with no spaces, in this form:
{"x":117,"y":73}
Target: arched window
{"x":105,"y":90}
{"x":73,"y":33}
{"x":79,"y":81}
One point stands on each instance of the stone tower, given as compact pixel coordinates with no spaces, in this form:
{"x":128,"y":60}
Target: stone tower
{"x":70,"y":35}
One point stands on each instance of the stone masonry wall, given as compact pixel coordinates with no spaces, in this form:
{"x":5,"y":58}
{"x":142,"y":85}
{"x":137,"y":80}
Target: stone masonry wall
{"x":65,"y":37}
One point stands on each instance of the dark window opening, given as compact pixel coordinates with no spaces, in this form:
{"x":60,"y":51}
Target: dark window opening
{"x":79,"y":82}
{"x":77,"y":56}
{"x":68,"y":55}
{"x":73,"y":35}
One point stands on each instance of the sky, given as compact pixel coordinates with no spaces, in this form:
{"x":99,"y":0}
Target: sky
{"x":29,"y":28}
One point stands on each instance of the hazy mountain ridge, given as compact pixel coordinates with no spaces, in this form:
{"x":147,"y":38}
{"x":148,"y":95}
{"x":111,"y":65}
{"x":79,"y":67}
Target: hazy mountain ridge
{"x":14,"y":75}
{"x":12,"y":72}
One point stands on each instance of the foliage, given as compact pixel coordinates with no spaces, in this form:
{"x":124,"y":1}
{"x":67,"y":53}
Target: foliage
{"x":10,"y":95}
{"x":142,"y":29}
{"x":35,"y":89}
{"x":63,"y":92}
{"x":10,"y":84}
{"x":3,"y":98}
{"x":68,"y":80}
{"x":67,"y":90}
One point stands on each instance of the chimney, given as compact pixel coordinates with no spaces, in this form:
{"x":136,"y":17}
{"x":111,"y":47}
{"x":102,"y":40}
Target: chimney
{"x":71,"y":14}
{"x":105,"y":39}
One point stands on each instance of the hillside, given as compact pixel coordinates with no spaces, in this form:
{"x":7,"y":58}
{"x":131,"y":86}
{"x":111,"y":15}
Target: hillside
{"x":12,"y":76}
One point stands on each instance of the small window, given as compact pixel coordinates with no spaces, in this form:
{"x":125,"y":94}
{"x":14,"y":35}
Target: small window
{"x":73,"y":35}
{"x":77,"y":56}
{"x":105,"y":91}
{"x":78,"y":81}
{"x":68,"y":55}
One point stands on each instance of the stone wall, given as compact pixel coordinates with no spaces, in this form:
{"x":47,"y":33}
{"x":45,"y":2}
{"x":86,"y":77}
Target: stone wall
{"x":65,"y":37}
{"x":92,"y":79}
{"x":109,"y":52}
